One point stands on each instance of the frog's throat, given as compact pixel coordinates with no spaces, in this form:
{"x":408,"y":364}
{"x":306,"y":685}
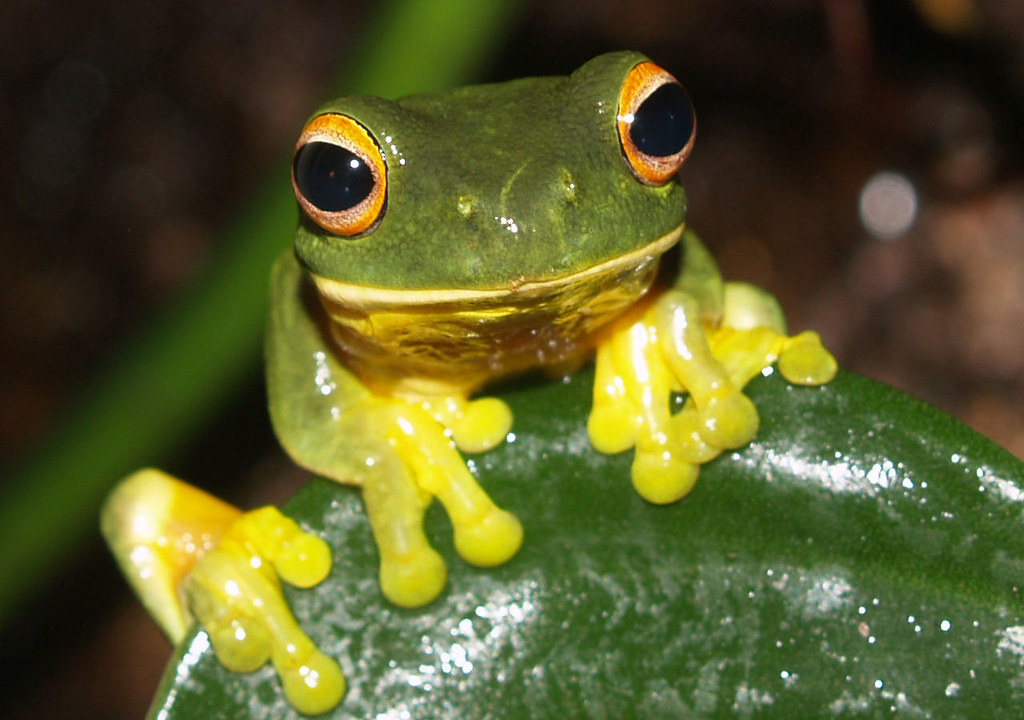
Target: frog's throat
{"x":460,"y":339}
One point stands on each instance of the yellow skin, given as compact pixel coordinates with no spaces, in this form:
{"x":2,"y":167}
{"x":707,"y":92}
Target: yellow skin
{"x":371,"y":385}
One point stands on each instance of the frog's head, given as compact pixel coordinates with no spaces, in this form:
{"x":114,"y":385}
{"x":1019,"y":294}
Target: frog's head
{"x":490,"y":187}
{"x":541,"y":190}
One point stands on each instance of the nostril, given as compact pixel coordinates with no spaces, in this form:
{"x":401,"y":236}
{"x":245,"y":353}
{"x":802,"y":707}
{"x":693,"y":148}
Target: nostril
{"x":567,"y":187}
{"x":466,"y":204}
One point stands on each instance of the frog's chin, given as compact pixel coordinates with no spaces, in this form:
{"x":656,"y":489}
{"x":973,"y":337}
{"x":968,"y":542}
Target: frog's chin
{"x":375,"y":299}
{"x":466,"y":338}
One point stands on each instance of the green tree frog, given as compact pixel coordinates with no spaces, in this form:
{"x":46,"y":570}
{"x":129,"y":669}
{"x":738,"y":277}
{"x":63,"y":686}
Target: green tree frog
{"x":446,"y":241}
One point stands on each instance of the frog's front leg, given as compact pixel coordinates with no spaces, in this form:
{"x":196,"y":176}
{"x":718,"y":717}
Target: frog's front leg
{"x":667,"y":347}
{"x":401,"y":448}
{"x":191,"y":556}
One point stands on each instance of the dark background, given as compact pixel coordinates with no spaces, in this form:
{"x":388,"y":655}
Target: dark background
{"x":132,"y":131}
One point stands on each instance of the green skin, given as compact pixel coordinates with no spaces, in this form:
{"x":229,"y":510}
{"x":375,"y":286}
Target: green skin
{"x":543,"y":152}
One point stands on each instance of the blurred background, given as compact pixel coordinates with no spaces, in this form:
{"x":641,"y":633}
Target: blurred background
{"x":860,"y":159}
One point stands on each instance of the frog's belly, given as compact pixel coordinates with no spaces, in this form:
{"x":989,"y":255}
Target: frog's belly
{"x":461,"y":344}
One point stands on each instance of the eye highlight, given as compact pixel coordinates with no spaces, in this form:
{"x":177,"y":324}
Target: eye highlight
{"x":339,"y":175}
{"x":656,"y":124}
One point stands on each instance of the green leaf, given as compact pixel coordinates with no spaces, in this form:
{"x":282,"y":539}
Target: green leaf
{"x":861,"y":557}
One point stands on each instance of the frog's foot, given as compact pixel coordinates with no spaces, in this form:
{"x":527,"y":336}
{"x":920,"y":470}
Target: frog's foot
{"x":168,"y":536}
{"x":639,"y":368}
{"x":667,"y":350}
{"x":235,"y":594}
{"x":426,"y":464}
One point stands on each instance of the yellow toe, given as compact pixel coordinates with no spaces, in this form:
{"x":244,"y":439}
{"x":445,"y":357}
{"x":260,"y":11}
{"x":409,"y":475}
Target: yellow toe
{"x":305,"y":561}
{"x":610,"y":429}
{"x":486,"y":423}
{"x":315,"y":686}
{"x":805,"y":361}
{"x":729,"y":420}
{"x":490,"y":541}
{"x":413,"y":580}
{"x":661,"y":477}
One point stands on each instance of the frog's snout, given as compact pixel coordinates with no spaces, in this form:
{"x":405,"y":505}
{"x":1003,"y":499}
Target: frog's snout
{"x":537,"y":193}
{"x":541,"y":180}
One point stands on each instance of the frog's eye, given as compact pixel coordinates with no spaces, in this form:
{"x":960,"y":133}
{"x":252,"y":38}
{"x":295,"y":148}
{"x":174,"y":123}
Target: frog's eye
{"x":656,"y":123}
{"x":339,"y":175}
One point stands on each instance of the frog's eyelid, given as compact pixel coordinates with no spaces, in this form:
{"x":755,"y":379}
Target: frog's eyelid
{"x":339,"y":175}
{"x":655,"y":122}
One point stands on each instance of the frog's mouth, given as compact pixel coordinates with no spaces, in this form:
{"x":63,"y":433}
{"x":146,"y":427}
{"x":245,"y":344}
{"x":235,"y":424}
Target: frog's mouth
{"x":466,"y":337}
{"x":373,"y":299}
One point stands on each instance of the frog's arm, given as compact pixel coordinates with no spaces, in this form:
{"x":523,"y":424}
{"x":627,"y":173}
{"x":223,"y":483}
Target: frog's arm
{"x":325,"y":418}
{"x":312,"y":396}
{"x":700,"y":278}
{"x":705,"y":338}
{"x":396,"y":450}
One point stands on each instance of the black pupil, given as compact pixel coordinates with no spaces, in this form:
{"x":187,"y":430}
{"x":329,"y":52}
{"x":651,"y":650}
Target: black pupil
{"x":330,"y":177}
{"x":663,"y":123}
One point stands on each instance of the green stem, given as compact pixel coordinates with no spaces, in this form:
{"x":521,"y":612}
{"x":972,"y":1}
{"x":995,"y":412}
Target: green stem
{"x":191,"y":359}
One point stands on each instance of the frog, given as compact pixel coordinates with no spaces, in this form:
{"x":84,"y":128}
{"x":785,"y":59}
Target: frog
{"x":446,"y":242}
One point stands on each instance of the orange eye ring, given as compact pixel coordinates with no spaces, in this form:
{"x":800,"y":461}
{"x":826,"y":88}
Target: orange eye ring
{"x":656,"y":123}
{"x":339,"y":175}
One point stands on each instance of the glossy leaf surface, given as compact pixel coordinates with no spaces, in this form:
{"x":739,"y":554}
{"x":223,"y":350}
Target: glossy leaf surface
{"x":862,"y":556}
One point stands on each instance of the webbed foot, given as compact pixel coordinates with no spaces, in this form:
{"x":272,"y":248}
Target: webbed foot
{"x":666,"y":350}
